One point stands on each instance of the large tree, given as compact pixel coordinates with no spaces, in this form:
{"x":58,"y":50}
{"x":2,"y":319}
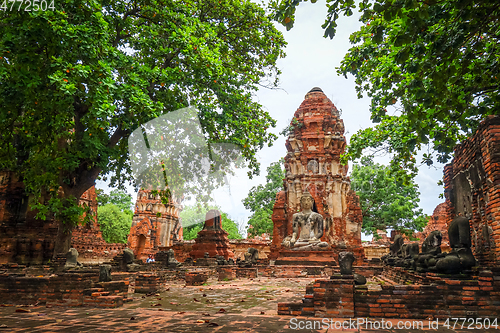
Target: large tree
{"x":436,"y":61}
{"x":75,"y":81}
{"x":114,"y":223}
{"x":261,"y":198}
{"x":386,"y":202}
{"x":117,"y":197}
{"x":193,"y":218}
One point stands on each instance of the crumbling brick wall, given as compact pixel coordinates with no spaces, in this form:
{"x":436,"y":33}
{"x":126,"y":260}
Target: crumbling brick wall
{"x":23,"y":239}
{"x":472,"y":188}
{"x":27,"y":240}
{"x":87,"y":239}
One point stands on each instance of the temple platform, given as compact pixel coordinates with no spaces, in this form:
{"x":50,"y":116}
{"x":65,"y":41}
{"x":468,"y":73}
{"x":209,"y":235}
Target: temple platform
{"x":307,"y":258}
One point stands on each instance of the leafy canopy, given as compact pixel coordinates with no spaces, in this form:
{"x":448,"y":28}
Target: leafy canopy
{"x":386,"y":202}
{"x":193,"y":218}
{"x":116,"y":197}
{"x":114,"y":223}
{"x":436,"y":61}
{"x":76,"y":81}
{"x":261,"y":198}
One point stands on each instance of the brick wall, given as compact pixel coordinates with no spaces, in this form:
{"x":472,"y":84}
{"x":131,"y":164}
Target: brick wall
{"x":375,"y":250}
{"x":26,"y":240}
{"x":23,"y":239}
{"x":443,"y":299}
{"x":290,"y":271}
{"x":472,"y":188}
{"x":332,"y":298}
{"x":77,"y":288}
{"x":62,"y":289}
{"x":148,"y":283}
{"x":421,"y":297}
{"x":87,"y":239}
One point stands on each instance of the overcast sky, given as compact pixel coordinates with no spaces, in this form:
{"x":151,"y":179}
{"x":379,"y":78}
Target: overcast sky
{"x":310,"y":62}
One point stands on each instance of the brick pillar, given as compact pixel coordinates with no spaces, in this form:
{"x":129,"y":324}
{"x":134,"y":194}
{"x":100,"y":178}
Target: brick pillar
{"x":333,"y":298}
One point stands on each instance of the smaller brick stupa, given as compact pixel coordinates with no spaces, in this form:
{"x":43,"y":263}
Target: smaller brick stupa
{"x":212,"y":239}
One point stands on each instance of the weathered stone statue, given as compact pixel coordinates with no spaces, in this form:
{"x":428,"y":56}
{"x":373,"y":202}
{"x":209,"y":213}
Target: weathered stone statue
{"x":400,"y":256}
{"x":221,"y":261}
{"x":394,"y":251}
{"x":460,"y":257}
{"x":251,"y":257}
{"x":411,"y":252}
{"x":72,"y":258}
{"x":345,"y":262}
{"x":307,"y":227}
{"x":128,"y":260}
{"x":128,"y":256}
{"x":171,"y":261}
{"x":104,"y":273}
{"x":431,"y":248}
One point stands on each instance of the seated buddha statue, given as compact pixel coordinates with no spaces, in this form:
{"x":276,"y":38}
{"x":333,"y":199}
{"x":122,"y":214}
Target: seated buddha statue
{"x":307,"y":227}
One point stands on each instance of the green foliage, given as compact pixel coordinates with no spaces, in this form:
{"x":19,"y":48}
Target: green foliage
{"x":77,"y":80}
{"x":261,"y":198}
{"x":191,"y":232}
{"x":291,"y":128}
{"x":114,"y":223}
{"x":386,"y":201}
{"x":438,"y":62}
{"x":193,"y":217}
{"x":119,"y":198}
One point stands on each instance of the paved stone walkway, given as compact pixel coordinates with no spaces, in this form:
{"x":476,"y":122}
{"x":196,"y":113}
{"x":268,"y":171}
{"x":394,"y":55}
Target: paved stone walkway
{"x":235,"y":306}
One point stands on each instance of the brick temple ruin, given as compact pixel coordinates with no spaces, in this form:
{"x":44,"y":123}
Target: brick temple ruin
{"x":27,"y":240}
{"x":315,"y":143}
{"x":417,"y":285}
{"x":453,"y":271}
{"x":212,"y":239}
{"x":154,"y":224}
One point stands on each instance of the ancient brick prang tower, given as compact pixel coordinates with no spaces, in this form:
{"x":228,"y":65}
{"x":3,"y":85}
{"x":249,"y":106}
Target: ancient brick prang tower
{"x":316,"y":141}
{"x":154,"y":224}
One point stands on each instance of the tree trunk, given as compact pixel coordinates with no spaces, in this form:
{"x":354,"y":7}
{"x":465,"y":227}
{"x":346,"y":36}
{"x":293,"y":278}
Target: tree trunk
{"x":63,"y":238}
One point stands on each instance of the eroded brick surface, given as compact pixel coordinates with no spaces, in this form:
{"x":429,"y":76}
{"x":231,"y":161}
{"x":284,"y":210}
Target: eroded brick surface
{"x":88,"y":240}
{"x":27,"y":240}
{"x":472,"y":189}
{"x":212,"y":239}
{"x":154,"y":224}
{"x":313,"y":164}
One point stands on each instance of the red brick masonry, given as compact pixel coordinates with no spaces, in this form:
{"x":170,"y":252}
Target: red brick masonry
{"x":478,"y":297}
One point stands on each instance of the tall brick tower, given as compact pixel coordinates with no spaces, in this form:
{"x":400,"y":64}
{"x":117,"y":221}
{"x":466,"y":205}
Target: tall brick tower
{"x":315,"y":142}
{"x":154,"y":224}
